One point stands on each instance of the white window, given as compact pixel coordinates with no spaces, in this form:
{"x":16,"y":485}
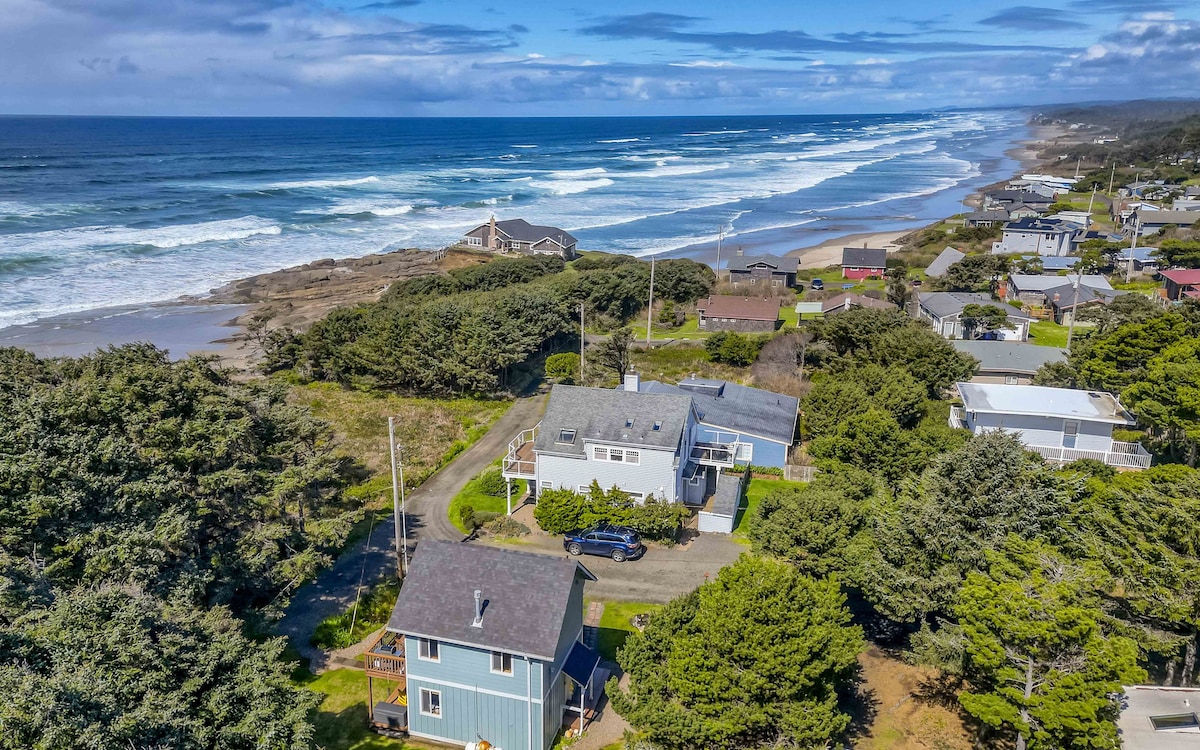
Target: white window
{"x":501,"y":663}
{"x":427,"y":649}
{"x":1011,"y":380}
{"x":431,"y":703}
{"x":753,"y":280}
{"x":582,"y":489}
{"x":546,"y":484}
{"x":638,"y":497}
{"x":600,"y":454}
{"x":617,"y":455}
{"x":745,"y":452}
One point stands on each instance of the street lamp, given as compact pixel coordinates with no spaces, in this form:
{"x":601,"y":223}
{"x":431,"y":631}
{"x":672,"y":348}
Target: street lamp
{"x":398,"y":502}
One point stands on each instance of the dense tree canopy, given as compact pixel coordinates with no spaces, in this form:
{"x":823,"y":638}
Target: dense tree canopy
{"x":755,"y":658}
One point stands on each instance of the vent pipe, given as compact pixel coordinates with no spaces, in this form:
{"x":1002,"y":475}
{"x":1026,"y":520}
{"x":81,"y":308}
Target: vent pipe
{"x":478,"y":622}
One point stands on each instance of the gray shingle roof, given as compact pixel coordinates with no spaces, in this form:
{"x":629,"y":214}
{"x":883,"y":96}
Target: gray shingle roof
{"x":781,"y":265}
{"x":601,"y":414}
{"x":1020,"y":283}
{"x":944,"y":304}
{"x":1162,"y":218}
{"x":945,"y":259}
{"x":864,"y":257}
{"x":1087,"y":294}
{"x":1007,"y":356}
{"x":752,"y":411}
{"x":525,"y":597}
{"x":522,"y":230}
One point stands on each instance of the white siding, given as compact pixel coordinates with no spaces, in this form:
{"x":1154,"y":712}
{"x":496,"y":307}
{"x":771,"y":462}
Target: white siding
{"x":1094,"y":436}
{"x":655,"y":474}
{"x":714,"y":523}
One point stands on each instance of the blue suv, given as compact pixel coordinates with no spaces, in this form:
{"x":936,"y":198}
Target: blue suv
{"x":618,"y":542}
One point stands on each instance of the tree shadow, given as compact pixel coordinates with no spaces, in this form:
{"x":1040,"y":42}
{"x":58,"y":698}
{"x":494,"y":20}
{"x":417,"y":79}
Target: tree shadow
{"x":940,"y":690}
{"x":863,"y":707}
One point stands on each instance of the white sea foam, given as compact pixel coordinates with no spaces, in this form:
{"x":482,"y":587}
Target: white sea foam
{"x":179,"y":235}
{"x":303,"y":184}
{"x":714,"y":132}
{"x":574,"y":174}
{"x":663,"y":170}
{"x":571,"y":187}
{"x":356,"y":208}
{"x":524,"y":145}
{"x":620,"y":140}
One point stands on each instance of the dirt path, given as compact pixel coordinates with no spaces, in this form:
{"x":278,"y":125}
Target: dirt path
{"x":374,"y":558}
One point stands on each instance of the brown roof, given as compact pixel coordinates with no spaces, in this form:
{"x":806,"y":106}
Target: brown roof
{"x":741,"y":308}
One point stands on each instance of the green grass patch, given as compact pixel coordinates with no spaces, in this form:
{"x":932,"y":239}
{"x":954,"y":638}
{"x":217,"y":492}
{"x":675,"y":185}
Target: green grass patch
{"x":472,"y":494}
{"x":756,"y":489}
{"x":341,"y":719}
{"x":1145,"y":286}
{"x":674,"y":363}
{"x":690,"y":330}
{"x":348,"y":628}
{"x":1048,"y":333}
{"x":616,"y":626}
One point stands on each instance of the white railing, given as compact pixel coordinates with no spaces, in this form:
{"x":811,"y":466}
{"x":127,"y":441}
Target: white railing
{"x":714,"y":454}
{"x":1123,"y":455}
{"x":515,"y":466}
{"x":956,"y":418}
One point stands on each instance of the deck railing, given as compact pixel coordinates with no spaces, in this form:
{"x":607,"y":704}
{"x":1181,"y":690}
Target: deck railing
{"x":714,"y":454}
{"x":521,"y":464}
{"x":1122,"y":455}
{"x":385,"y":657}
{"x":956,"y":417}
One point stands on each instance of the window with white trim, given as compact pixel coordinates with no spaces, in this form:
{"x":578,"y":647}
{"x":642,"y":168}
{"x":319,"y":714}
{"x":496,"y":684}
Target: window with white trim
{"x":1011,"y":380}
{"x":501,"y":663}
{"x":546,"y":484}
{"x":566,"y":436}
{"x":427,"y":649}
{"x":431,"y":703}
{"x":617,"y":455}
{"x":745,"y":452}
{"x":582,"y":489}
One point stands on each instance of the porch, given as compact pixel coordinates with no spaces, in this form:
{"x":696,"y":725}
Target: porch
{"x":1119,"y":455}
{"x":520,"y":462}
{"x":385,"y":660}
{"x":721,"y":455}
{"x":585,"y":688}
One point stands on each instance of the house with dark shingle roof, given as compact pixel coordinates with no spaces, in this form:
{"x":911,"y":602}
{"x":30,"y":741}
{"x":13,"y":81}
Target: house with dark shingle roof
{"x":762,"y":272}
{"x":519,"y":236}
{"x":944,"y":311}
{"x":646,"y":444}
{"x":1008,"y":362}
{"x":486,"y":644}
{"x":863,"y":262}
{"x":743,"y":314}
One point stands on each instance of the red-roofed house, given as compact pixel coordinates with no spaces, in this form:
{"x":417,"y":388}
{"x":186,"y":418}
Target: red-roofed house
{"x":742,"y":314}
{"x":1181,"y":283}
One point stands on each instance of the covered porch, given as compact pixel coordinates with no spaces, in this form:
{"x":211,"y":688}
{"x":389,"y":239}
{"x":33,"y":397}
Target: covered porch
{"x":585,"y":680}
{"x":385,"y":661}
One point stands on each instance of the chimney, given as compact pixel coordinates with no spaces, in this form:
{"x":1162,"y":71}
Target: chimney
{"x":478,"y":622}
{"x":633,"y":381}
{"x":739,"y":252}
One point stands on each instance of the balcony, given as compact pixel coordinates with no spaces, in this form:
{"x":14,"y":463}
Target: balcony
{"x":1119,"y":455}
{"x":956,"y":418}
{"x":714,"y":454}
{"x":520,"y":461}
{"x":385,"y":657}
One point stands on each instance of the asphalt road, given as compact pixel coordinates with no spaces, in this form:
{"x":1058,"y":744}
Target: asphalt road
{"x":374,"y":558}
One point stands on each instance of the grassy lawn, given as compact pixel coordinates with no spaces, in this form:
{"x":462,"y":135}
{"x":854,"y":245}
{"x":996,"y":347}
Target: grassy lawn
{"x":348,"y":628}
{"x":690,"y":330}
{"x":1143,"y":285}
{"x":1048,"y":333}
{"x":341,"y":719}
{"x":430,"y":431}
{"x":472,"y":495}
{"x":674,"y":363}
{"x":756,"y":490}
{"x":616,"y":625}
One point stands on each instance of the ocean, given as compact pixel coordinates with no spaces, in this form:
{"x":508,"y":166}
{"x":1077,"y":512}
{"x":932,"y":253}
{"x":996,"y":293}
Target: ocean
{"x":97,"y":212}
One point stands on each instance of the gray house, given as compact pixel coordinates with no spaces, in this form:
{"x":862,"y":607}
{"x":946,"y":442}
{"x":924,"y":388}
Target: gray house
{"x":1031,"y":289}
{"x":1153,"y":221}
{"x":1065,"y":300}
{"x":1038,"y":237}
{"x":519,"y":236}
{"x":1008,"y":362}
{"x":944,"y":312}
{"x":1060,"y":424}
{"x":486,"y":644}
{"x":763,"y":271}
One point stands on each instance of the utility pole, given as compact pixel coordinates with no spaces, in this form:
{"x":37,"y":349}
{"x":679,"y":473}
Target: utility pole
{"x":1077,"y":164}
{"x":650,"y":305}
{"x":1090,"y":201}
{"x":1137,"y":229}
{"x":398,"y":504}
{"x":720,"y":237}
{"x":1074,"y":308}
{"x":582,"y":341}
{"x":1112,"y":177}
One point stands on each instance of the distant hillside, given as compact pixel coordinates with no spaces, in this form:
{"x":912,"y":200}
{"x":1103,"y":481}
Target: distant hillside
{"x":1161,"y":134}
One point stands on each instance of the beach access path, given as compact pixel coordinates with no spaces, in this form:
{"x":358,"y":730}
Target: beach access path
{"x":374,"y":558}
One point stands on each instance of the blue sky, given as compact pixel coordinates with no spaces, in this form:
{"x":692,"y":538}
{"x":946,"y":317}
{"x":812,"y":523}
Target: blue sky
{"x":618,"y":57}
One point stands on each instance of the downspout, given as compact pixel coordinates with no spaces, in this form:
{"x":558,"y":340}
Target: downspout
{"x":529,"y":698}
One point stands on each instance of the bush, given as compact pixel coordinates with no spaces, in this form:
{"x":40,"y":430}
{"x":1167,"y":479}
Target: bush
{"x":562,"y":367}
{"x":560,"y":511}
{"x":492,"y":482}
{"x":506,"y":526}
{"x":734,"y":349}
{"x":466,"y":516}
{"x":374,"y":609}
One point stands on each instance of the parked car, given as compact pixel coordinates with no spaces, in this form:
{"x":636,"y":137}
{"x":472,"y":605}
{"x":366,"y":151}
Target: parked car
{"x":618,"y":542}
{"x":816,"y":285}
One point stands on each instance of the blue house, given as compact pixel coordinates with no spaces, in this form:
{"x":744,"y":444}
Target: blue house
{"x":486,"y":644}
{"x":761,"y":422}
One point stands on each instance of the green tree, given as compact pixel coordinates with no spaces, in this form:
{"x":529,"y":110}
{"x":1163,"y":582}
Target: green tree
{"x":732,"y":348}
{"x":980,"y":320}
{"x":1041,"y":659}
{"x":874,"y":441}
{"x":753,"y":659}
{"x":928,"y":357}
{"x":1167,"y":398}
{"x":1125,"y":308}
{"x":113,"y":667}
{"x":975,"y":273}
{"x":1114,"y":361}
{"x":614,"y":352}
{"x":841,"y":394}
{"x":563,"y":367}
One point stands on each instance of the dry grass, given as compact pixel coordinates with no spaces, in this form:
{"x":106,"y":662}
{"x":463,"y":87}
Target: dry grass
{"x":429,"y":431}
{"x":906,"y":709}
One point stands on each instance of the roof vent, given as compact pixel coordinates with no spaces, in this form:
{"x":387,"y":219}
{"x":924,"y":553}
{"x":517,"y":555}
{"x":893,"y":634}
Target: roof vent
{"x":478,"y":621}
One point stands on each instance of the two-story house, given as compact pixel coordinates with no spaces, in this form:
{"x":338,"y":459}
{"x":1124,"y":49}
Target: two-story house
{"x":762,"y":272}
{"x":486,"y":644}
{"x":1038,"y":237}
{"x":1060,"y":424}
{"x":642,"y":443}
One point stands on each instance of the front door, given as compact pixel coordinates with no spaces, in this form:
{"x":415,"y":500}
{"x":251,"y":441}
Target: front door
{"x":1070,"y":432}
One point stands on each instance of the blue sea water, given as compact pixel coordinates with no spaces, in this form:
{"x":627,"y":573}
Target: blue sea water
{"x":104,"y":211}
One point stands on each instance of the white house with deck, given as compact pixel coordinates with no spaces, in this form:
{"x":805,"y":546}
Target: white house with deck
{"x":1060,"y":424}
{"x":645,"y":444}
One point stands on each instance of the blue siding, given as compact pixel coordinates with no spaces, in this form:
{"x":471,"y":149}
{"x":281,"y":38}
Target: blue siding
{"x":468,"y":715}
{"x":471,"y":666}
{"x":766,"y":452}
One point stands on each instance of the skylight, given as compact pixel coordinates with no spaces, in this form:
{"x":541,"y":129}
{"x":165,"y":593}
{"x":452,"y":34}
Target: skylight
{"x":1174,"y":721}
{"x":628,"y":423}
{"x":566,"y":436}
{"x":657,"y":426}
